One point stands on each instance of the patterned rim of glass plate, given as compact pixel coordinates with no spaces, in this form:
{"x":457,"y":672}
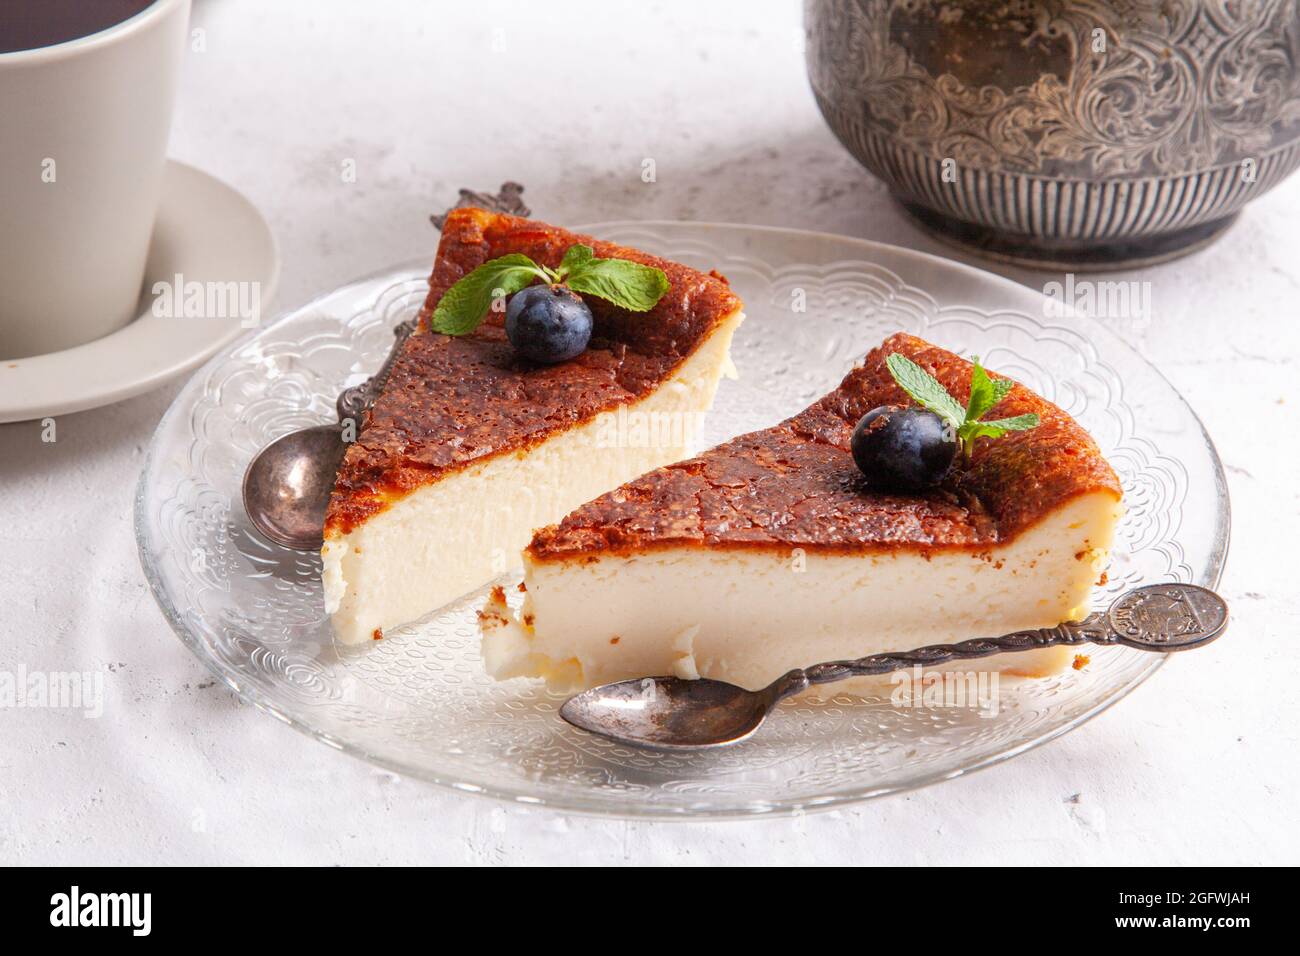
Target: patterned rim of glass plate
{"x":1210,"y":574}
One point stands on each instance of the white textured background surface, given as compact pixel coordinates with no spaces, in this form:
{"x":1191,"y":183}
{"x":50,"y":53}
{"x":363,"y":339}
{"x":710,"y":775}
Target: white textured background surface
{"x":1199,"y":765}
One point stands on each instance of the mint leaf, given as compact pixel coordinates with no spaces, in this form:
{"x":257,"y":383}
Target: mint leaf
{"x":985,"y":394}
{"x":981,"y":391}
{"x":995,"y":428}
{"x":925,"y":389}
{"x":464,"y":305}
{"x":628,"y":285}
{"x":969,"y":432}
{"x":1017,"y":423}
{"x":575,"y":257}
{"x":1001,"y":389}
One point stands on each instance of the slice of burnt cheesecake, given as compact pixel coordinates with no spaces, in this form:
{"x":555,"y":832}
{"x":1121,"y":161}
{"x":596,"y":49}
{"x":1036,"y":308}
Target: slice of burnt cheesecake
{"x":770,"y":552}
{"x":469,"y":447}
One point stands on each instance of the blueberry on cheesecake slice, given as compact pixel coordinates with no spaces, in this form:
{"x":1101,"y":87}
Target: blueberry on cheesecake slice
{"x":922,"y":501}
{"x":494,"y":419}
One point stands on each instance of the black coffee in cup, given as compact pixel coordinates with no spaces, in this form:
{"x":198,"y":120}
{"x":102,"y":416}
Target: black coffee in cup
{"x":30,"y":24}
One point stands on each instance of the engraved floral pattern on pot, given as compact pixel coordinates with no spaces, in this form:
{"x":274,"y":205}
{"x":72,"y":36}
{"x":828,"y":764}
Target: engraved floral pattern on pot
{"x":1121,"y":88}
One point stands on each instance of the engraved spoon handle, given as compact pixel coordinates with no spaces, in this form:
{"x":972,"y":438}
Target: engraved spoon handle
{"x":1159,"y":617}
{"x":355,"y":401}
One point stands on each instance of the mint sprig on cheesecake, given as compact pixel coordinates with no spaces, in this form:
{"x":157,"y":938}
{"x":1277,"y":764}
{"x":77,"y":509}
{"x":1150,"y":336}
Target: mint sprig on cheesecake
{"x":910,"y":450}
{"x":550,"y":322}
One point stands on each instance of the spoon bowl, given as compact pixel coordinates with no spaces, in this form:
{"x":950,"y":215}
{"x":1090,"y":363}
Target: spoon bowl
{"x":287,"y":486}
{"x":288,"y":483}
{"x":669,"y":713}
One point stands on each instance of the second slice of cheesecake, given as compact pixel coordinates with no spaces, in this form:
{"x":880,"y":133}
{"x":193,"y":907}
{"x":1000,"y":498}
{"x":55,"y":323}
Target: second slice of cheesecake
{"x":769,"y":552}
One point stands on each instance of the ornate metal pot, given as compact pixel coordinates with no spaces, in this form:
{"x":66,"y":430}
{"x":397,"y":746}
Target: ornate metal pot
{"x":1064,"y":133}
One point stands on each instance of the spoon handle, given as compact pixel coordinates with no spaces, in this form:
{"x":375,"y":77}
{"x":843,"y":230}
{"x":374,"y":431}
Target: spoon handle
{"x":354,"y":401}
{"x":508,"y":199}
{"x":1159,"y":617}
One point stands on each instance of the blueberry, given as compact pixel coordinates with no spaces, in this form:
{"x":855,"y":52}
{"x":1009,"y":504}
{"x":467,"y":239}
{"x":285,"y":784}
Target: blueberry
{"x":903,"y":449}
{"x":548,"y":323}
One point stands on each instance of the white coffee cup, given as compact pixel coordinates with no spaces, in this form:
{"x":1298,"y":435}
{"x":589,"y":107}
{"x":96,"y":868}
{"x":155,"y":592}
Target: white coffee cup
{"x":83,"y":144}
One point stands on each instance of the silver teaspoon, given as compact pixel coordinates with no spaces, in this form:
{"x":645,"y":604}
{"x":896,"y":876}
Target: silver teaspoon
{"x":288,"y":483}
{"x":668,"y":713}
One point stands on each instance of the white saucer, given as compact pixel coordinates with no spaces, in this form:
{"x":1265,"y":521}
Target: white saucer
{"x":206,"y":232}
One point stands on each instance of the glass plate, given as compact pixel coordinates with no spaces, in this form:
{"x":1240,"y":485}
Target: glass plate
{"x":419,"y":703}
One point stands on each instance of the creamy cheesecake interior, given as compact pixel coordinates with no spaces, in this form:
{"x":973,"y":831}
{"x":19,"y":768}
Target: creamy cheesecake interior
{"x":748,"y":615}
{"x":449,"y":537}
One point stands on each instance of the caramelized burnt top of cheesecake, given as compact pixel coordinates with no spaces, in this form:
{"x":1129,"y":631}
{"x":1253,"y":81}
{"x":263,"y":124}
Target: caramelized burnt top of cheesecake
{"x":451,"y":402}
{"x":796,"y":486}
